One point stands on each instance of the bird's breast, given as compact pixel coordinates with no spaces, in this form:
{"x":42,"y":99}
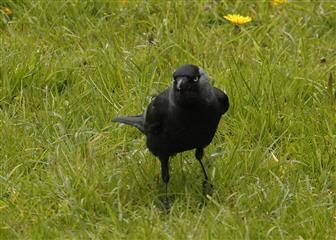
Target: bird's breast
{"x":192,"y":130}
{"x":183,"y":130}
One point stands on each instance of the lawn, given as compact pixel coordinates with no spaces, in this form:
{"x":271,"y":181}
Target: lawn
{"x":68,"y":67}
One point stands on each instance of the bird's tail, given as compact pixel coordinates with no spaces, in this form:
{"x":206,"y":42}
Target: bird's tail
{"x":135,"y":121}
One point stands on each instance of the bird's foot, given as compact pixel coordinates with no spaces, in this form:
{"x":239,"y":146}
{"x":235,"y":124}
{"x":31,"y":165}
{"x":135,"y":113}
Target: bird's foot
{"x":207,"y":188}
{"x":166,"y":204}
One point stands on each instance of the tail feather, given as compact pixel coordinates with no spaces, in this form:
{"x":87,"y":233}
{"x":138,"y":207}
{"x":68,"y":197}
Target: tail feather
{"x":135,"y":121}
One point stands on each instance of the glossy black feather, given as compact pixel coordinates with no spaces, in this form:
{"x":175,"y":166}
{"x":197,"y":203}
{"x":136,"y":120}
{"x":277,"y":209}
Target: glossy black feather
{"x":135,"y":121}
{"x":185,"y":116}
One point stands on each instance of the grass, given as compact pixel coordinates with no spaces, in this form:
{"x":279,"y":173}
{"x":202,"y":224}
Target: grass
{"x":68,"y":67}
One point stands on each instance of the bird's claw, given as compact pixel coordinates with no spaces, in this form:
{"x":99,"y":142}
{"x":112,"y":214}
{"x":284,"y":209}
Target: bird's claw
{"x":207,"y":188}
{"x":166,"y":204}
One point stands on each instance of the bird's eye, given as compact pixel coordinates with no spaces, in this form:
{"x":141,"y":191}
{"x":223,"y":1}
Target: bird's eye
{"x":196,"y":79}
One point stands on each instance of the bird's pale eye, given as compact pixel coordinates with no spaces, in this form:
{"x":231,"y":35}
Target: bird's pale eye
{"x":196,"y":79}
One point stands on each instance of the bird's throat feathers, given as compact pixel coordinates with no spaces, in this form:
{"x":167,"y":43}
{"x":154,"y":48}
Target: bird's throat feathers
{"x":198,"y":96}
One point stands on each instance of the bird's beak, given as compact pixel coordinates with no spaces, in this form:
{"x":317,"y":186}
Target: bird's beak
{"x":181,"y":83}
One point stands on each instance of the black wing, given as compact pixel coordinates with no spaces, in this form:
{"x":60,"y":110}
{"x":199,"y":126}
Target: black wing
{"x":156,"y":114}
{"x":223,"y":100}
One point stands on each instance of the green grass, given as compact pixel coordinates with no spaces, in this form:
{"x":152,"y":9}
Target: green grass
{"x":68,"y":67}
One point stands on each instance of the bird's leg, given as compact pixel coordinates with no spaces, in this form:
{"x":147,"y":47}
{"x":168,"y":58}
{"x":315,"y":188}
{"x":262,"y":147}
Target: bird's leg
{"x":199,"y":154}
{"x":165,"y":179}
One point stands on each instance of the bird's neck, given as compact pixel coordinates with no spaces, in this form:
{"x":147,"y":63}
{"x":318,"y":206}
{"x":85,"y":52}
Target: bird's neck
{"x":194,"y":99}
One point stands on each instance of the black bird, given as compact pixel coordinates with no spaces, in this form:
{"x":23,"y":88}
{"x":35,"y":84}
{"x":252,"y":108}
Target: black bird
{"x":183,"y":117}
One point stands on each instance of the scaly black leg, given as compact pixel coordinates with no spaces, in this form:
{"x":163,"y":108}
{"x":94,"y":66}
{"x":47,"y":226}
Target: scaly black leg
{"x":165,"y":179}
{"x":199,"y":154}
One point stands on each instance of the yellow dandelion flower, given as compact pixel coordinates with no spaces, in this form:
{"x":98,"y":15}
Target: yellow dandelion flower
{"x":278,"y":2}
{"x":238,"y":19}
{"x":7,"y":11}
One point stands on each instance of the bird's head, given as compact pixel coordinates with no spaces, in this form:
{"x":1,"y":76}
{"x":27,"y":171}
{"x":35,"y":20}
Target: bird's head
{"x":189,"y":81}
